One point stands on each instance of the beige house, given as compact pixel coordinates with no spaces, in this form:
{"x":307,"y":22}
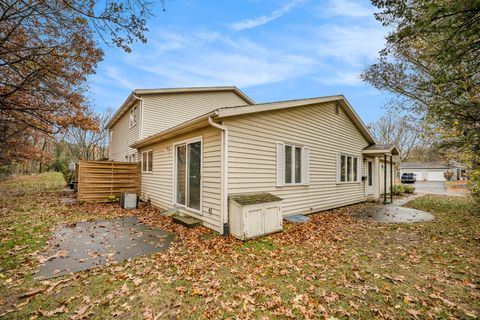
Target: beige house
{"x":149,"y":111}
{"x":313,"y":154}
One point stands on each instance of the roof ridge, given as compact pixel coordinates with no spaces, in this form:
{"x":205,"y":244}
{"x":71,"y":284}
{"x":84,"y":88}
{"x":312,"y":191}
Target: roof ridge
{"x":282,"y":101}
{"x":186,"y":88}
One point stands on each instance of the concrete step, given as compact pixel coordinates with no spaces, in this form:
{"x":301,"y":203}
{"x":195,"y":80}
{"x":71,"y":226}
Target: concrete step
{"x":186,"y":221}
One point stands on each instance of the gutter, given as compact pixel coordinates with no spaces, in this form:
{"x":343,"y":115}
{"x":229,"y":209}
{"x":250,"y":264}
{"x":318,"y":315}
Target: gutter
{"x":224,"y":129}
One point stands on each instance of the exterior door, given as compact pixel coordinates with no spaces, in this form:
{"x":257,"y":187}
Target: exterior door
{"x":369,"y":182}
{"x":188,"y":180}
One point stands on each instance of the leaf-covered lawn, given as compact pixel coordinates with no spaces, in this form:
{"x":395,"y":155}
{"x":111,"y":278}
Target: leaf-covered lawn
{"x":334,"y":266}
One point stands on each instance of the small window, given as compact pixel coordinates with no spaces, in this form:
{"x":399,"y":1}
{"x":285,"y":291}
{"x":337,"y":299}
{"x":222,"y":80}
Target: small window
{"x":147,"y":161}
{"x":288,"y":164}
{"x":298,"y":165}
{"x":347,"y":170}
{"x":132,"y":120}
{"x":292,"y":166}
{"x":110,"y":135}
{"x":134,"y":158}
{"x":337,"y":107}
{"x":355,"y":169}
{"x":126,"y":158}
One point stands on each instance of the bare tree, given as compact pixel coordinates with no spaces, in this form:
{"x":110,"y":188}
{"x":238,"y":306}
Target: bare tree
{"x":400,"y":130}
{"x":87,"y":144}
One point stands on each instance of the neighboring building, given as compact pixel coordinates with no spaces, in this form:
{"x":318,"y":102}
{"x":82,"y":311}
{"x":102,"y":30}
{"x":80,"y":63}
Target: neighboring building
{"x":433,"y":171}
{"x":149,"y":111}
{"x":315,"y":154}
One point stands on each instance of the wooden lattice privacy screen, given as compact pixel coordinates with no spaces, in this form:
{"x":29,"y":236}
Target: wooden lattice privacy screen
{"x":99,"y":181}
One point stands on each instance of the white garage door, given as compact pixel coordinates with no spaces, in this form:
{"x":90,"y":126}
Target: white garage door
{"x":435,"y":176}
{"x":418,"y":175}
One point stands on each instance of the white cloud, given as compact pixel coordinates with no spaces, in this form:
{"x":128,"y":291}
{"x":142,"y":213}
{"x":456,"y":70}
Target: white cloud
{"x":346,"y":8}
{"x":255,"y":22}
{"x":348,"y":78}
{"x":350,"y":44}
{"x":330,"y":53}
{"x":116,"y":76}
{"x":212,"y":59}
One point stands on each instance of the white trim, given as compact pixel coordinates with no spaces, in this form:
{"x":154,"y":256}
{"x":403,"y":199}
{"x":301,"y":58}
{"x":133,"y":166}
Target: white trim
{"x":224,"y":173}
{"x":133,"y":123}
{"x":146,"y":151}
{"x":174,"y":202}
{"x":339,"y":164}
{"x":369,"y":189}
{"x":303,"y":166}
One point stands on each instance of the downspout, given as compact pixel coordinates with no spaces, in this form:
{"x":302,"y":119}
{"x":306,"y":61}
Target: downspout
{"x":224,"y":174}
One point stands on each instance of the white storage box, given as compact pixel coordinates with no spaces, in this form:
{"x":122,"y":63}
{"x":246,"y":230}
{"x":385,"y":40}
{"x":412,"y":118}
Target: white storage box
{"x":254,"y":215}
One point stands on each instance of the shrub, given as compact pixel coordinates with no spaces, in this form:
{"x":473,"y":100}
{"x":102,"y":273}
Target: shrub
{"x":409,"y":189}
{"x":448,"y":175}
{"x":398,"y":190}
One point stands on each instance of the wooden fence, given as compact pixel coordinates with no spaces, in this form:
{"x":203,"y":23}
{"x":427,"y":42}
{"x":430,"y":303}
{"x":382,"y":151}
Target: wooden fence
{"x":99,"y":181}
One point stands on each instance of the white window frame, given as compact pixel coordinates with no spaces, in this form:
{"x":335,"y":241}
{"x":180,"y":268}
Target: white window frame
{"x":132,"y":119}
{"x":174,"y":193}
{"x":339,"y":166}
{"x":304,"y":165}
{"x":145,"y":156}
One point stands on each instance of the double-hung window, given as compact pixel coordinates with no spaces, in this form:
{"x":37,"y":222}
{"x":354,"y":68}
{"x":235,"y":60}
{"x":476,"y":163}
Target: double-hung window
{"x":188,"y":164}
{"x":147,"y":161}
{"x":348,"y":168}
{"x":292,"y":164}
{"x":133,"y":117}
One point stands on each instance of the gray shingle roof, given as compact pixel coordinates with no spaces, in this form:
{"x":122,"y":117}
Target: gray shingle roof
{"x":424,"y":165}
{"x":387,"y":146}
{"x":254,"y":198}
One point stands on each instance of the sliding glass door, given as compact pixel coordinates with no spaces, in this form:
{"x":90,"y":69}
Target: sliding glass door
{"x":188,"y":160}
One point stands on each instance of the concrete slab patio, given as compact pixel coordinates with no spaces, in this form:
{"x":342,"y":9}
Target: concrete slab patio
{"x":396,"y":213}
{"x":86,"y":245}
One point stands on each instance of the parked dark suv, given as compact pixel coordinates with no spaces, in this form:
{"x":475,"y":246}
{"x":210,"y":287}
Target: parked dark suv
{"x":408,"y":178}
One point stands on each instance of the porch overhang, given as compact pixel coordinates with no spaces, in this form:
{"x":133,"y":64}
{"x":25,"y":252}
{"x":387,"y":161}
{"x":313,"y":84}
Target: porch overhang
{"x":378,"y":150}
{"x":189,"y":126}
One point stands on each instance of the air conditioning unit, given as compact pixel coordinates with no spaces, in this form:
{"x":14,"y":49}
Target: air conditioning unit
{"x":128,"y":200}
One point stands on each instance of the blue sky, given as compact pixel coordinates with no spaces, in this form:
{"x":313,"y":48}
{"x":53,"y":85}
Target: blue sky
{"x":272,"y":50}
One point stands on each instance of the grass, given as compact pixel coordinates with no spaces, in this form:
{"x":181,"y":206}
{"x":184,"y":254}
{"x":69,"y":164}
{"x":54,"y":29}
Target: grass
{"x":334,"y":266}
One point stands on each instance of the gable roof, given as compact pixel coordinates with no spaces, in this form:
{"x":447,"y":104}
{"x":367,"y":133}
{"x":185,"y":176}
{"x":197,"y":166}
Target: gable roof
{"x":388,"y":148}
{"x":140,"y":92}
{"x":278,"y":105}
{"x":429,"y":165}
{"x":261,"y":107}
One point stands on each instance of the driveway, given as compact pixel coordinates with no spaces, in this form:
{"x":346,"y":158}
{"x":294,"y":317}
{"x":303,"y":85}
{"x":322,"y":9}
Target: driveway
{"x":437,"y":187}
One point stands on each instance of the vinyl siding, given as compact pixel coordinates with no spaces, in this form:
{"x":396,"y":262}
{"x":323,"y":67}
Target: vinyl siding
{"x":252,"y":155}
{"x":123,"y":136}
{"x":164,"y":111}
{"x":158,"y":185}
